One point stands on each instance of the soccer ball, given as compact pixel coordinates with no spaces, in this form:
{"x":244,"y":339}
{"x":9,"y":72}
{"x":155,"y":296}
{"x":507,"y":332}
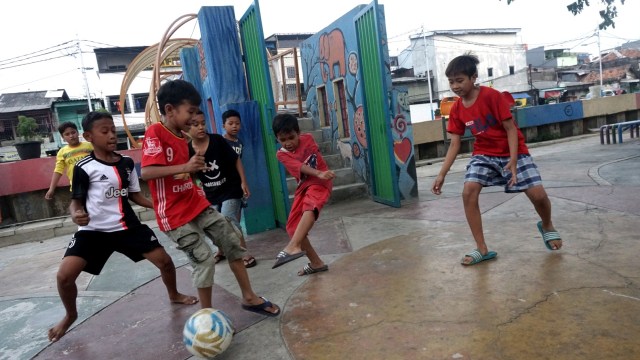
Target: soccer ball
{"x":207,"y":333}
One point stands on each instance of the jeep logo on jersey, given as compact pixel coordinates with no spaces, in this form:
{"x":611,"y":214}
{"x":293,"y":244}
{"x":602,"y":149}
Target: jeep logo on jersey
{"x":113,"y":192}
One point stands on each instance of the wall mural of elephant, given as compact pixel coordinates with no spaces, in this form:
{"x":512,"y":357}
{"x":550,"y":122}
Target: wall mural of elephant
{"x":332,"y":53}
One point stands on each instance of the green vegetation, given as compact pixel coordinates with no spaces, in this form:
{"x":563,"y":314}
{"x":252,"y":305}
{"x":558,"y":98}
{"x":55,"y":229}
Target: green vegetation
{"x":27,"y":128}
{"x":608,"y":14}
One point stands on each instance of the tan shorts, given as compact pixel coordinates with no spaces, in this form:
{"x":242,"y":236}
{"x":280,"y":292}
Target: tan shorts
{"x":190,"y":238}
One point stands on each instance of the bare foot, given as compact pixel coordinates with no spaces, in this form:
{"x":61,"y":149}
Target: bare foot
{"x":58,"y":331}
{"x":184,"y":299}
{"x":555,"y":244}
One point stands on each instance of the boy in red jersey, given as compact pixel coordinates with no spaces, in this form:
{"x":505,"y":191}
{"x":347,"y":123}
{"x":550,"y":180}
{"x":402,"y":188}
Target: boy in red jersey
{"x":301,"y":157}
{"x":103,"y":183}
{"x":500,"y":156}
{"x":182,"y":211}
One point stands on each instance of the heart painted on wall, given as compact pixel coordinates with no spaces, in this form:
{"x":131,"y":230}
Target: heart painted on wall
{"x":402,"y":149}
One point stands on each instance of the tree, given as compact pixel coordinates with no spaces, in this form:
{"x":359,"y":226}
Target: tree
{"x":609,"y":13}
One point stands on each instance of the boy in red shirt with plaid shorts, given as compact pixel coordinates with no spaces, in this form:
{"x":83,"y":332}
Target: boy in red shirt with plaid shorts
{"x":500,"y":156}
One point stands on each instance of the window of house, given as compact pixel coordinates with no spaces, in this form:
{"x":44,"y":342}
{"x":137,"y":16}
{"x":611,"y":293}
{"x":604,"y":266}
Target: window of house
{"x":291,"y":91}
{"x":489,"y":72}
{"x":512,"y":70}
{"x":139,"y":102}
{"x":291,"y":72}
{"x":115,"y":105}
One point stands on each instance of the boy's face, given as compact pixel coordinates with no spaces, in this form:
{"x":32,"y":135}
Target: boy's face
{"x":103,"y":135}
{"x":180,"y":117}
{"x":70,"y":135}
{"x":461,"y":84}
{"x":198,"y":128}
{"x":232,"y":126}
{"x":289,"y":140}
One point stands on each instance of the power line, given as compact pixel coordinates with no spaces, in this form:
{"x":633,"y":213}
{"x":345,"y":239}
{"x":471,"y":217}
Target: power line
{"x":36,"y":61}
{"x":47,"y":77}
{"x":35,"y":52}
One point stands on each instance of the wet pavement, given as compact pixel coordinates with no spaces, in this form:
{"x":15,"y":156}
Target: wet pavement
{"x":395,"y":288}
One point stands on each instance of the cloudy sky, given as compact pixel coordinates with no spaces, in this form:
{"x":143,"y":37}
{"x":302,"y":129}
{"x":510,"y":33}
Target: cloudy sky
{"x":39,"y":46}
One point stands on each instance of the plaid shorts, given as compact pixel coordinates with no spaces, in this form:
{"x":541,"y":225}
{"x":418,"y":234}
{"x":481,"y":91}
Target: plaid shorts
{"x":489,"y":171}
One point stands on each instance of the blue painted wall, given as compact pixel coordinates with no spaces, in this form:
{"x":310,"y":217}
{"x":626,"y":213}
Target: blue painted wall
{"x":548,"y":114}
{"x":333,"y":54}
{"x":220,"y":78}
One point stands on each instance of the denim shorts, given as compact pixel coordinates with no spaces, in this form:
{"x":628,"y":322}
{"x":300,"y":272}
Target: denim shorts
{"x":489,"y":171}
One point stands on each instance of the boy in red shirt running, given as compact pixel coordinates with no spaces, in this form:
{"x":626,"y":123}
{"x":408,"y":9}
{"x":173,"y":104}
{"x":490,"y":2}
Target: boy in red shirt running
{"x":500,"y":156}
{"x":182,"y":211}
{"x":301,"y":157}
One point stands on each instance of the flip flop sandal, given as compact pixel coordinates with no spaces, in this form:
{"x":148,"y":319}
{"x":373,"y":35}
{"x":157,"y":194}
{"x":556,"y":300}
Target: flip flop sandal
{"x":250,"y":262}
{"x":477,"y":257}
{"x":308,"y":270}
{"x":283,"y":257}
{"x":262,"y":308}
{"x":548,"y":236}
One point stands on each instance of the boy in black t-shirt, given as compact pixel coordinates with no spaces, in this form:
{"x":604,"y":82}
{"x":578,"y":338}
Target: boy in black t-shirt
{"x":103,"y":184}
{"x":223,"y":180}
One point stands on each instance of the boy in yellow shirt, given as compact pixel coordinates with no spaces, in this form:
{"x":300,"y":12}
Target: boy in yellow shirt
{"x":68,"y":155}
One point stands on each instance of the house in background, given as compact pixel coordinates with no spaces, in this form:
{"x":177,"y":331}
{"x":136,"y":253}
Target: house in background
{"x":282,"y":67}
{"x":35,"y":104}
{"x":48,"y":108}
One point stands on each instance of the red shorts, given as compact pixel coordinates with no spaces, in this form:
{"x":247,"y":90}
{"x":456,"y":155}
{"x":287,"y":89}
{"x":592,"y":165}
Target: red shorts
{"x":311,"y":198}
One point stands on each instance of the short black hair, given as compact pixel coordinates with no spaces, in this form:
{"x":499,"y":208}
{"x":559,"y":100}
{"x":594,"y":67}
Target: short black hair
{"x":65,"y":125}
{"x":199,"y":112}
{"x":466,"y":64}
{"x":229,"y":113}
{"x":175,"y":92}
{"x":92,"y":117}
{"x":285,"y":123}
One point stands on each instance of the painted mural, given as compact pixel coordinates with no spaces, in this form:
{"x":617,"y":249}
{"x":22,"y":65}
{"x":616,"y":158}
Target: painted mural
{"x":334,"y":99}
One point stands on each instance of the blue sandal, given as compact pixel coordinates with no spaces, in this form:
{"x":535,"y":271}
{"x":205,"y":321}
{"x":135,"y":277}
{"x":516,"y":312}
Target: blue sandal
{"x":478,"y":257}
{"x":548,"y":236}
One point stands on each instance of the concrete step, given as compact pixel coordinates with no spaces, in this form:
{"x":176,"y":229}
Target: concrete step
{"x":344,"y":176}
{"x":306,"y":124}
{"x":334,"y":161}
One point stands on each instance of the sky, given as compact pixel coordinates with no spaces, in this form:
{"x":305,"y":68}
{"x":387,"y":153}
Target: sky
{"x":52,"y":29}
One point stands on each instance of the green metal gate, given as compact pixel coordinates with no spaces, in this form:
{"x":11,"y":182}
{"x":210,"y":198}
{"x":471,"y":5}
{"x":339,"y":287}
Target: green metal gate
{"x":259,"y":83}
{"x":382,"y":165}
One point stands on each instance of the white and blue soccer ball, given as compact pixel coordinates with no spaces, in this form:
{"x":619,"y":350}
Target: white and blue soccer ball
{"x":207,"y":333}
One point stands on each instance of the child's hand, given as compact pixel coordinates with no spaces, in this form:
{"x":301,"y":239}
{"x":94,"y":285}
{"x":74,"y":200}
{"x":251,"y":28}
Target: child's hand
{"x":327,"y":175}
{"x":80,"y":217}
{"x":512,"y":167}
{"x":245,"y":190}
{"x":436,"y":188}
{"x":49,"y":194}
{"x":196,"y":163}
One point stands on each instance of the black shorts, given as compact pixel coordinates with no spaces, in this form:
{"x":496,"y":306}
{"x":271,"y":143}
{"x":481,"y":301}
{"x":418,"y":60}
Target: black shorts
{"x":96,"y":246}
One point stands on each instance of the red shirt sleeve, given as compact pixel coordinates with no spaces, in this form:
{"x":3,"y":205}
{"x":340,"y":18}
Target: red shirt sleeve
{"x":152,"y":151}
{"x":455,"y":124}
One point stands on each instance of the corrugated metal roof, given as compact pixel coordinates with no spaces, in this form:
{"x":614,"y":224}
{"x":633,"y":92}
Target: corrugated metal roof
{"x":25,"y":101}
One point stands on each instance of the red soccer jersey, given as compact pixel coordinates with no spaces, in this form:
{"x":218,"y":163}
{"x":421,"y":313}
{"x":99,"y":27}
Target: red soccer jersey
{"x":176,"y":199}
{"x":308,"y":154}
{"x":484,"y":118}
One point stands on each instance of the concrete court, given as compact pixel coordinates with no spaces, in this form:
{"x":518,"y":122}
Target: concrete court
{"x":395,"y":288}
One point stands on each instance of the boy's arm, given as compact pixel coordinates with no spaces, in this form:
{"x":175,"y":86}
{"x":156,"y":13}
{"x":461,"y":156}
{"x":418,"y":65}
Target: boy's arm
{"x":243,"y":179}
{"x":196,"y":163}
{"x":141,"y":200}
{"x":454,"y":148}
{"x":78,"y":215}
{"x":512,"y":138}
{"x":325,"y":175}
{"x":55,"y":178}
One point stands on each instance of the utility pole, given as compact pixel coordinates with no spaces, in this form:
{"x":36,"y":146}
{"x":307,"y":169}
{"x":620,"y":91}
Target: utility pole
{"x":427,"y":72}
{"x":599,"y":56}
{"x":84,"y":75}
